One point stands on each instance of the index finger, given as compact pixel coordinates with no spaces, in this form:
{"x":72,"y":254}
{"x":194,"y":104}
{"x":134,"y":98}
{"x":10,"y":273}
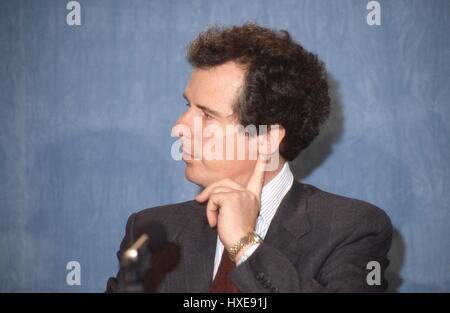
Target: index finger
{"x":256,"y":181}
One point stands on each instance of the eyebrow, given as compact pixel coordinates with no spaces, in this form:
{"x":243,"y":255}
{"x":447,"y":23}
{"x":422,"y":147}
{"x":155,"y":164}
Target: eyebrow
{"x":203,"y":108}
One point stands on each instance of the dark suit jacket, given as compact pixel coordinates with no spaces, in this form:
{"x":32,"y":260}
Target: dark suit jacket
{"x":317,"y":242}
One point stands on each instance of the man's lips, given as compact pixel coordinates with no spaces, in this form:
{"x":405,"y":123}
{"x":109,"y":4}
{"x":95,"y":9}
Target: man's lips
{"x":187,"y":156}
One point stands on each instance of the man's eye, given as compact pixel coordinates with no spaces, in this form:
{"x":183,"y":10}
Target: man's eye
{"x":188,"y":104}
{"x":207,"y":115}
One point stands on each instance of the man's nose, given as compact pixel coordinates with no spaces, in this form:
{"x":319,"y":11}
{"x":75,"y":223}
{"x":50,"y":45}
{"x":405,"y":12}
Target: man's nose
{"x":183,"y":125}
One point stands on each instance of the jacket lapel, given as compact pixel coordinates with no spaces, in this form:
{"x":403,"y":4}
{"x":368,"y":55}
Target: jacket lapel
{"x":199,"y":247}
{"x":290,"y":222}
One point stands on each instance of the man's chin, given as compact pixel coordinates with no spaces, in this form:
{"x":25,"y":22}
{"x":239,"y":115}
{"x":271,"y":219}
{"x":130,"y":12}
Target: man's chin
{"x":192,"y":175}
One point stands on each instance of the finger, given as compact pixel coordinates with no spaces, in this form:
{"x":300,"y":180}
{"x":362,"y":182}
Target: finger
{"x":256,"y":181}
{"x":206,"y":193}
{"x":222,"y":189}
{"x":211,"y":214}
{"x":213,"y":207}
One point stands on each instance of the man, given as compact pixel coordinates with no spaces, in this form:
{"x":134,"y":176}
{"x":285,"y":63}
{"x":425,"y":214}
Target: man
{"x":255,"y":229}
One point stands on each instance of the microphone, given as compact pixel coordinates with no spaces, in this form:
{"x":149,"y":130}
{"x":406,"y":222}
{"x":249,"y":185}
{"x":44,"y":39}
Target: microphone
{"x":136,"y":261}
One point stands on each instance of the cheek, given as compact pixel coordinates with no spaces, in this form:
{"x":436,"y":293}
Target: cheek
{"x":215,"y":143}
{"x":244,"y":148}
{"x":232,"y":145}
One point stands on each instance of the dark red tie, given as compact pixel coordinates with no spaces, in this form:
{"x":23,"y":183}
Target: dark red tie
{"x":221,"y":282}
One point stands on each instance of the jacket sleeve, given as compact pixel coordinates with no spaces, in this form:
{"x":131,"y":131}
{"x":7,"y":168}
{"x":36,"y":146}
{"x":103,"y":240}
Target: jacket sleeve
{"x":344,"y":270}
{"x":128,"y":239}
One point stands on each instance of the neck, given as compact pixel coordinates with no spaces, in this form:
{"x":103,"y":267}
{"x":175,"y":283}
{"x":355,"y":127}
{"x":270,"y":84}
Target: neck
{"x":269,"y":175}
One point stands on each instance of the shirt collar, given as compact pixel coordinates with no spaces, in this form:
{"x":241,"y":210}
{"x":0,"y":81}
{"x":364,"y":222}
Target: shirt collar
{"x":273,"y":193}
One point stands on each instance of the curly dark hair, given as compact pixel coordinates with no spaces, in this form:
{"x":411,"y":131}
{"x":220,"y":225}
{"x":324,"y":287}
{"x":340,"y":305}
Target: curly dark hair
{"x":284,"y":84}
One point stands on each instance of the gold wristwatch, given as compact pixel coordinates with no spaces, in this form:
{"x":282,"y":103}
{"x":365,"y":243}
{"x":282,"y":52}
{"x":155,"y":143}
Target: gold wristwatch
{"x":250,"y":238}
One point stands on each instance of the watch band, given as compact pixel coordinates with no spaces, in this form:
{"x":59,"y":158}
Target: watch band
{"x":251,"y":248}
{"x":250,"y":238}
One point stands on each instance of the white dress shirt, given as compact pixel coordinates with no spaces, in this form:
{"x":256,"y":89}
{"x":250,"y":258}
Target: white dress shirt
{"x":271,"y":196}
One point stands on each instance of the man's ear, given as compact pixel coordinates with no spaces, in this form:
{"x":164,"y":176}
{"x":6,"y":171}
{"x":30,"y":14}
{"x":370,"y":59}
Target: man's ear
{"x":269,"y":143}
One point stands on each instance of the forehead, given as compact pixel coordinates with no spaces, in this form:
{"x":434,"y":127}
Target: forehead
{"x":216,"y":87}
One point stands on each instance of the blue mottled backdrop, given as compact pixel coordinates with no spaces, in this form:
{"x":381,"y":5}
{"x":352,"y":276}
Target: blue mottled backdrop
{"x":86,"y":113}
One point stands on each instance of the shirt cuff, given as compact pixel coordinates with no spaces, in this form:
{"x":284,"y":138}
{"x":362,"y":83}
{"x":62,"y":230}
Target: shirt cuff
{"x":247,"y":254}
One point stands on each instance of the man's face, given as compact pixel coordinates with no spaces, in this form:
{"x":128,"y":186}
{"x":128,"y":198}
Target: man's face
{"x":209,"y":123}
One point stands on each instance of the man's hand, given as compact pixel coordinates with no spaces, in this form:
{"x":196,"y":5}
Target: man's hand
{"x":232,"y":207}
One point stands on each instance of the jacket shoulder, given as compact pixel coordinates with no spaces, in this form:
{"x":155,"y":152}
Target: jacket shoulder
{"x":335,"y":209}
{"x":168,"y":211}
{"x":172,"y":217}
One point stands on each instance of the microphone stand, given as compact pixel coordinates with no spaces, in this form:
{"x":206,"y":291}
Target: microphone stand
{"x":134,"y":264}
